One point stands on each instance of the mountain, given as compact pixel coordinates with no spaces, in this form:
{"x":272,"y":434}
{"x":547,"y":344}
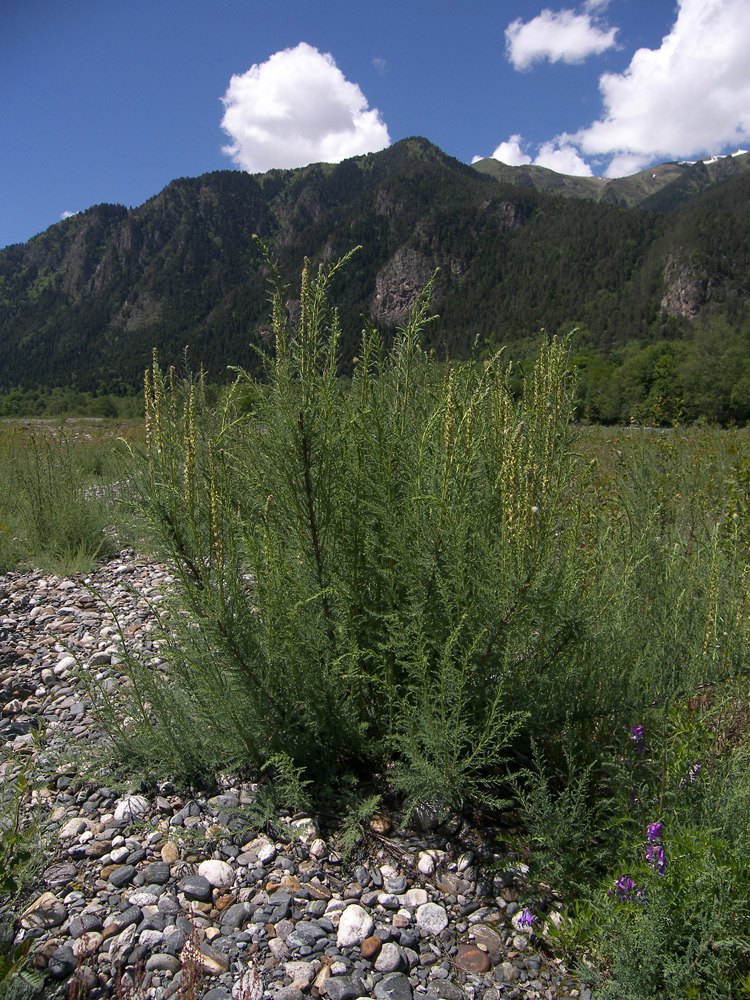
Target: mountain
{"x":84,"y":302}
{"x":662,"y":187}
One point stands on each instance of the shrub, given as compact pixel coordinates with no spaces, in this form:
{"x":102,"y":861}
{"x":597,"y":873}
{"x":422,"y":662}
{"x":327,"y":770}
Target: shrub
{"x":361,"y":568}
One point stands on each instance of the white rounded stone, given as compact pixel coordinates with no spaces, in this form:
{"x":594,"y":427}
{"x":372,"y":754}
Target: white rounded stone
{"x":432,"y":918}
{"x":132,"y":807}
{"x":218,"y":873}
{"x":266,"y":852}
{"x":426,"y":864}
{"x":355,"y":925}
{"x":74,"y":826}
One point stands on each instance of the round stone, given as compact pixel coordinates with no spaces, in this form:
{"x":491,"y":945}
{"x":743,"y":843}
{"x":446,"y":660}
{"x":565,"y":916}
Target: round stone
{"x":289,"y":993}
{"x":355,"y":924}
{"x":415,"y":897}
{"x":249,"y":986}
{"x":87,"y":944}
{"x":371,"y":948}
{"x":161,"y":962}
{"x":170,"y":852}
{"x":432,"y":918}
{"x":425,"y":864}
{"x":218,"y":873}
{"x":471,"y":959}
{"x":60,"y":874}
{"x":62,"y":962}
{"x":488,"y":938}
{"x":196,"y":887}
{"x":390,"y":959}
{"x":157,"y":873}
{"x":72,"y":828}
{"x":132,"y":807}
{"x":122,"y":875}
{"x":394,"y":987}
{"x":396,"y":884}
{"x":266,"y":853}
{"x":45,"y":912}
{"x":345,"y":987}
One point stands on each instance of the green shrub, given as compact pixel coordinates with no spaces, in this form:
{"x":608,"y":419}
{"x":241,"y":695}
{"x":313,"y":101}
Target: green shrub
{"x":361,"y":568}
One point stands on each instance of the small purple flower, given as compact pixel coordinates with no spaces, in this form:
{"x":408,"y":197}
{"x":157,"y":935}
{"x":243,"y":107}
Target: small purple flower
{"x":692,"y":775}
{"x":653,"y":832}
{"x":624,"y":885}
{"x":655,"y":855}
{"x":636,"y":734}
{"x":626,"y":892}
{"x":527,"y":918}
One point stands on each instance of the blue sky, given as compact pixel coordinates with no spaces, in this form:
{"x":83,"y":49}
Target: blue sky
{"x":107,"y":101}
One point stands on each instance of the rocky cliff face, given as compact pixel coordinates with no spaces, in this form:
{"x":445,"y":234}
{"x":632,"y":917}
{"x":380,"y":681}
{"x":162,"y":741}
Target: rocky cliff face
{"x":399,"y":283}
{"x":687,"y":288}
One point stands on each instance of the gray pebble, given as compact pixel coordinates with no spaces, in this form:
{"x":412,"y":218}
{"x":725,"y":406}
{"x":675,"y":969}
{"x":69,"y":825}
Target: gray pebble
{"x":394,"y":987}
{"x":196,"y":887}
{"x":122,"y":875}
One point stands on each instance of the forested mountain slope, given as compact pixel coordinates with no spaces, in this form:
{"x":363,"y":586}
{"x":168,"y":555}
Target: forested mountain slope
{"x":85,"y":301}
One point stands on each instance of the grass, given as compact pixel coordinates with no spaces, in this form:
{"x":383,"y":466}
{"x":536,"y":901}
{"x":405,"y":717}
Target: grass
{"x":418,"y":574}
{"x":57,"y":490}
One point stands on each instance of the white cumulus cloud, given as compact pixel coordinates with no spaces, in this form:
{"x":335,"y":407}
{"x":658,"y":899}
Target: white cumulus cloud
{"x":558,"y":155}
{"x":298,"y":108}
{"x":563,"y":158}
{"x":510,"y":152}
{"x":67,"y":215}
{"x":557,"y":36}
{"x":689,"y":97}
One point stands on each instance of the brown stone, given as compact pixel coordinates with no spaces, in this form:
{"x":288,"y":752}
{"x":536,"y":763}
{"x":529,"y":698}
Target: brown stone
{"x":370,"y":948}
{"x":380,"y":824}
{"x":170,"y":852}
{"x":451,"y":884}
{"x":205,"y":957}
{"x":471,"y":959}
{"x":97,"y":849}
{"x":488,"y":940}
{"x":287,"y":883}
{"x":317,"y":890}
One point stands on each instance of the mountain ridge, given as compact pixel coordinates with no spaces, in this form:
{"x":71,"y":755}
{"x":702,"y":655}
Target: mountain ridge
{"x":87,"y":300}
{"x":645,"y":189}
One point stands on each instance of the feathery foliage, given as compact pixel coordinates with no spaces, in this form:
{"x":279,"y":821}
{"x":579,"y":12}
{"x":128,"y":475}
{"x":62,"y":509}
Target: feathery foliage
{"x":357,"y":563}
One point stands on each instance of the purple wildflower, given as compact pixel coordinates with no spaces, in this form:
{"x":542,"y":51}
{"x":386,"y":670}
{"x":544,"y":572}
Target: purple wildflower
{"x":653,"y":832}
{"x":626,"y":892}
{"x":527,"y":918}
{"x":655,"y":855}
{"x":636,"y":734}
{"x":624,"y":885}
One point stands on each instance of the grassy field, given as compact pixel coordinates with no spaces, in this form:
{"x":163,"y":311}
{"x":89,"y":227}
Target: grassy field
{"x":56,"y":484}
